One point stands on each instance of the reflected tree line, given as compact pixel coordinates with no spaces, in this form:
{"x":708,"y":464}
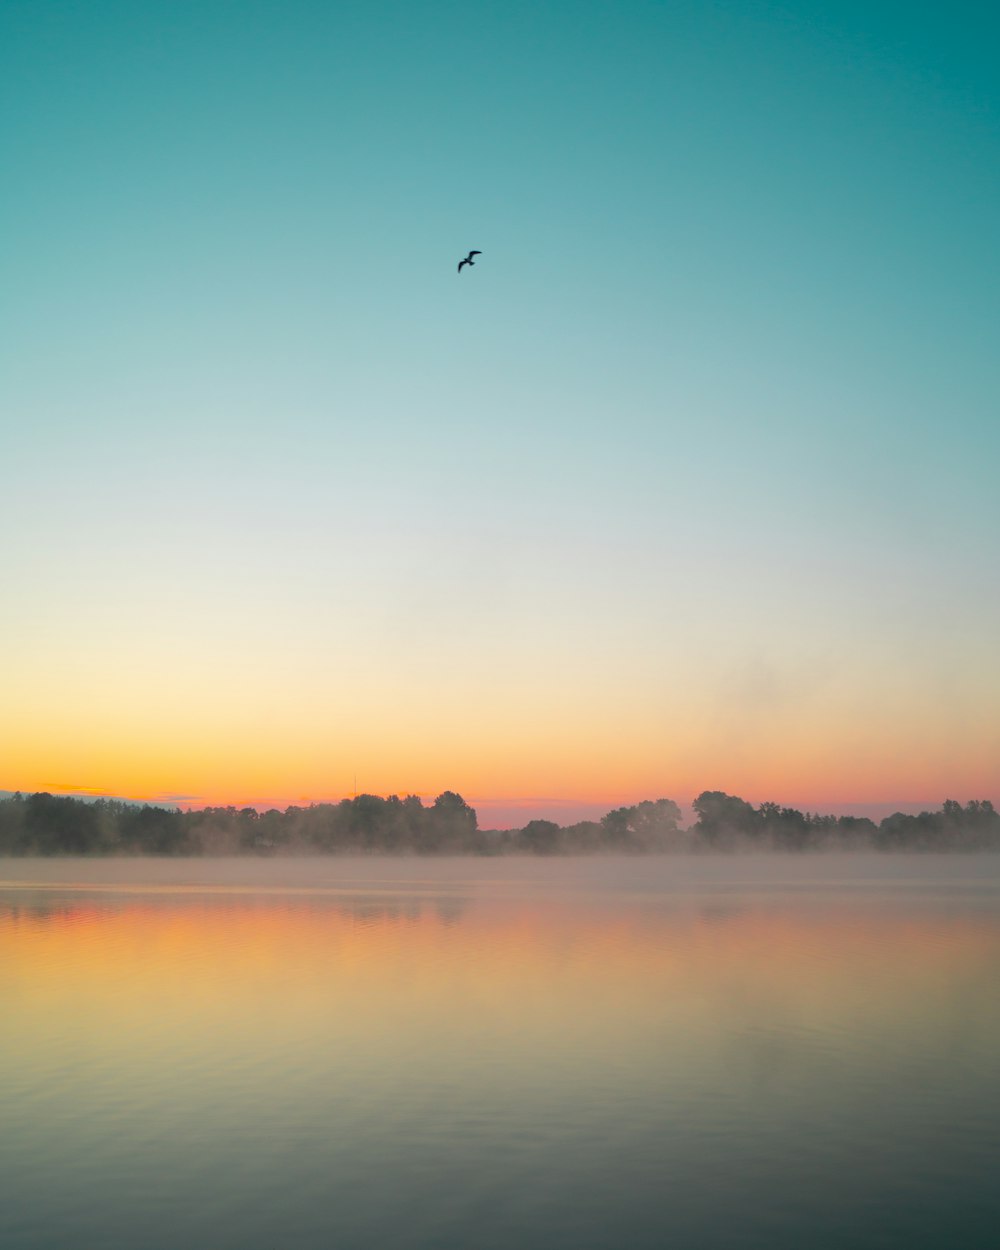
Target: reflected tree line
{"x":46,"y":824}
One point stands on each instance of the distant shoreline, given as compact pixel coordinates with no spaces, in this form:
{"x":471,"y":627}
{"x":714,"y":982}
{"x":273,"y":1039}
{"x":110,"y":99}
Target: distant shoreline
{"x":43,"y":824}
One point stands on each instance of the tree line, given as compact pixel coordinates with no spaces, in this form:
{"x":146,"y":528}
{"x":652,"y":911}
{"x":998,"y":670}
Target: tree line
{"x":46,"y":824}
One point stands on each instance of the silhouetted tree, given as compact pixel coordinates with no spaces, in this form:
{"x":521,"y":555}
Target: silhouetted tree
{"x":648,"y":826}
{"x":149,"y":830}
{"x":723,"y":819}
{"x":60,"y":826}
{"x":451,"y":823}
{"x":540,"y":837}
{"x":583,"y":838}
{"x":856,"y":831}
{"x":786,"y":828}
{"x":13,"y":836}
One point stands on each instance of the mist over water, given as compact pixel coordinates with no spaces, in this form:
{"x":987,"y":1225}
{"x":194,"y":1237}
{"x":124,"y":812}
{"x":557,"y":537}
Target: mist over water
{"x":759,"y":1051}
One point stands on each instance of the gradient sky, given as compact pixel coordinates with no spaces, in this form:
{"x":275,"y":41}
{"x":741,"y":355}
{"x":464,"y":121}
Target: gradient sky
{"x":690,"y":483}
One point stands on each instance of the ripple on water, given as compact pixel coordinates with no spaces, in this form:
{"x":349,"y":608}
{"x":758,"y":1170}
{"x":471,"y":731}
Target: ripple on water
{"x":595,"y":1054}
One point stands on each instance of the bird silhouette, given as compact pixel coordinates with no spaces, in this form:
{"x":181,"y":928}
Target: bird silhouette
{"x":468,"y":260}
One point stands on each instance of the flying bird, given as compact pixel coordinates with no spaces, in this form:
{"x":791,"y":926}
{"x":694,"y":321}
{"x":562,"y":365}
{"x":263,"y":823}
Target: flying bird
{"x":468,"y":260}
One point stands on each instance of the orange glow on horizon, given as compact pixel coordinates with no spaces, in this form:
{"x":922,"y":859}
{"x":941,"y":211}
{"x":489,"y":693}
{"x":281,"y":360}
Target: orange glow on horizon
{"x":251,"y":748}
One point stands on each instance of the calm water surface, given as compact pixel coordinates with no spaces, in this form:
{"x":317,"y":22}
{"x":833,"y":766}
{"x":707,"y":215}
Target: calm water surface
{"x":710,"y":1052}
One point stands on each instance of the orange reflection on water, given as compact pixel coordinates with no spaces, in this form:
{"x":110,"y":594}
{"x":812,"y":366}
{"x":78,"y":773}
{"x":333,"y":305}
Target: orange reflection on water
{"x":427,"y":979}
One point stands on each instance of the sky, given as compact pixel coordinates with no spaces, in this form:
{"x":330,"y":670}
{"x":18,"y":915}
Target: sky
{"x":689,"y":483}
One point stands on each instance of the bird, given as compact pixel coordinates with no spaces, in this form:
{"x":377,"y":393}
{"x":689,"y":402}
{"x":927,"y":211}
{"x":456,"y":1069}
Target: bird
{"x":468,"y":260}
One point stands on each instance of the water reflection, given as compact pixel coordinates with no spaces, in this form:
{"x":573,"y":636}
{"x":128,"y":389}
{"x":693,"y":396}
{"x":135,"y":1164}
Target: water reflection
{"x":721,"y":913}
{"x":374,"y":909}
{"x":383,"y":1058}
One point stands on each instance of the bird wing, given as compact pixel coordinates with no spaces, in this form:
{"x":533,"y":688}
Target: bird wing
{"x":475,"y":254}
{"x":460,"y":264}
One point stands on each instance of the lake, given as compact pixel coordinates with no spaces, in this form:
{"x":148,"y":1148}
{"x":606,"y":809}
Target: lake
{"x":770,"y":1051}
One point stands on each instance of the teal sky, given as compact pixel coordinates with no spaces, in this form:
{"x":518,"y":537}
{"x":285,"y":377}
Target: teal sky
{"x":702,"y":452}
